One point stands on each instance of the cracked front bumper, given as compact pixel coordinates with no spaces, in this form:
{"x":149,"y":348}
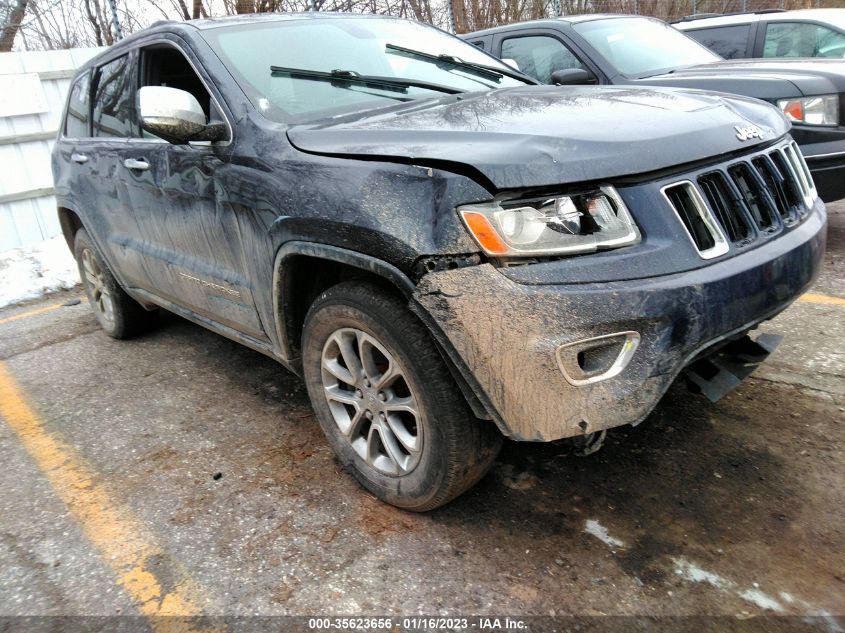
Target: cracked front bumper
{"x":502,"y":336}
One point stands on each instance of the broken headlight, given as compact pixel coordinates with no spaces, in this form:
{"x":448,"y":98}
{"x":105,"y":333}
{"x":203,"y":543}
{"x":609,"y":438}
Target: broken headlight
{"x":563,"y":225}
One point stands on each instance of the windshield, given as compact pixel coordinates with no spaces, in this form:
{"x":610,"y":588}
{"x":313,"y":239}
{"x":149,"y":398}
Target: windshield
{"x":638,"y":47}
{"x":359,"y":45}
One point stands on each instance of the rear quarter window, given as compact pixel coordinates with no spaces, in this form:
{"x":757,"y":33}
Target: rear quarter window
{"x":731,"y":42}
{"x":113,"y":100}
{"x":79,"y":108}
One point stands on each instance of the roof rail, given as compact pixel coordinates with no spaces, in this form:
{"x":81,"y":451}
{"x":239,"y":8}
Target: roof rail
{"x":698,"y":16}
{"x":704,"y":16}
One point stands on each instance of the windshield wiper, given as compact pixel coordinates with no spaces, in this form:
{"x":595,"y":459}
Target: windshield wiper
{"x":342,"y":78}
{"x":450,"y":61}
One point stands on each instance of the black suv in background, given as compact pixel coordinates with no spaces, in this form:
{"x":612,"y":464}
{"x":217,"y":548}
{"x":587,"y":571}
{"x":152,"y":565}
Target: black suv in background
{"x":443,"y":250}
{"x":803,"y":33}
{"x":630,"y":50}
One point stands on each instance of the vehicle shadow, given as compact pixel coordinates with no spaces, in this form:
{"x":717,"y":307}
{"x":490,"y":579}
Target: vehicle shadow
{"x":683,"y":481}
{"x":694,"y":479}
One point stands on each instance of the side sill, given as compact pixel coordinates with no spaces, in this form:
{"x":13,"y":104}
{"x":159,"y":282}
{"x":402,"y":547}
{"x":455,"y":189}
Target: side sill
{"x":143,"y":296}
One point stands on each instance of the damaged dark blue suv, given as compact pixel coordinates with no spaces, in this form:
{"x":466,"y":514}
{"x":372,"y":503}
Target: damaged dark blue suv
{"x":443,"y":250}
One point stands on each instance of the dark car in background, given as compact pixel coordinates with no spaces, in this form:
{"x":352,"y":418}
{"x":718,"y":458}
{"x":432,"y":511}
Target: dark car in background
{"x":770,"y":34}
{"x":445,"y":251}
{"x":630,"y":50}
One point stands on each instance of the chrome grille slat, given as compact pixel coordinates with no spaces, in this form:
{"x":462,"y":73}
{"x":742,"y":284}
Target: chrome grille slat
{"x":702,"y":228}
{"x":744,"y":201}
{"x":788,"y":198}
{"x":800,"y":171}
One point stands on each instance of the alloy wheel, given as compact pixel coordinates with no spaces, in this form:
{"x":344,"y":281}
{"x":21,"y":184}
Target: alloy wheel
{"x":101,"y":298}
{"x":372,"y":402}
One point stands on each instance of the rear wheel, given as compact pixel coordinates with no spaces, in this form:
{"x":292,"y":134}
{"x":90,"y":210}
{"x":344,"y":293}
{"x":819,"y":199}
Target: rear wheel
{"x":118,"y":314}
{"x":386,"y":401}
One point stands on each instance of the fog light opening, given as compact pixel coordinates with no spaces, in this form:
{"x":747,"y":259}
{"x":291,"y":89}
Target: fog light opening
{"x":595,"y":359}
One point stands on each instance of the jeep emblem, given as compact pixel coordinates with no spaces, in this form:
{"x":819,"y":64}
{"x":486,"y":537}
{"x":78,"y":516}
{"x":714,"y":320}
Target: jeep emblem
{"x":745,"y":133}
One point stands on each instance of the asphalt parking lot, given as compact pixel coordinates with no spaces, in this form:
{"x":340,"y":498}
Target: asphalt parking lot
{"x":179,"y":473}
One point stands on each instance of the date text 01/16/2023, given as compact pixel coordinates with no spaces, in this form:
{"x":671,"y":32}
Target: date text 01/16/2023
{"x":418,"y":623}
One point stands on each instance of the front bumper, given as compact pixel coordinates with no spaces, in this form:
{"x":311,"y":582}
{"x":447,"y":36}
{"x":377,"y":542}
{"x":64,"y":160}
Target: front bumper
{"x":503,"y":336}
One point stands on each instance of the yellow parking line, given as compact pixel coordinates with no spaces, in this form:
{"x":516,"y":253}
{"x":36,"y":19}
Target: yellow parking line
{"x":125,"y":544}
{"x":822,"y":299}
{"x":36,"y":312}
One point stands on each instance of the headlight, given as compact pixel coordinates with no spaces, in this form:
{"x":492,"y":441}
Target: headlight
{"x":812,"y":110}
{"x":565,"y":225}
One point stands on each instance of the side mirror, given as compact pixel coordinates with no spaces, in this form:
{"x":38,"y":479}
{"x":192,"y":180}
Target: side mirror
{"x":572,"y":77}
{"x":512,"y":63}
{"x":175,"y":115}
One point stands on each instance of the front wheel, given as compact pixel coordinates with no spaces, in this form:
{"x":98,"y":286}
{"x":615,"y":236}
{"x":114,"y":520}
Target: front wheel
{"x":387,"y":402}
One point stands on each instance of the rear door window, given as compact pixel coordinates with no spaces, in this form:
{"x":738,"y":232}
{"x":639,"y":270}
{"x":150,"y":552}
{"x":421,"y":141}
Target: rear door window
{"x":113,"y":100}
{"x":78,"y":108}
{"x":540,"y":55}
{"x":802,"y":39}
{"x":731,"y":42}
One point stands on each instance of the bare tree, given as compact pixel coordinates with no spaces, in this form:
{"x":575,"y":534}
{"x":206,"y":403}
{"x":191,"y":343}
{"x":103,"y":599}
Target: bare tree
{"x":54,"y":25}
{"x":11,"y":17}
{"x":474,"y":15}
{"x":44,"y":24}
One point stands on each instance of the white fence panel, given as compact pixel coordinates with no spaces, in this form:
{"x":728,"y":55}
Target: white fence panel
{"x":27,"y":206}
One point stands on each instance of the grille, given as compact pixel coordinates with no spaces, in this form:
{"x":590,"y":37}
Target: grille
{"x":726,"y":205}
{"x":755,"y":195}
{"x":744,"y":201}
{"x":785,"y":190}
{"x":697,"y":219}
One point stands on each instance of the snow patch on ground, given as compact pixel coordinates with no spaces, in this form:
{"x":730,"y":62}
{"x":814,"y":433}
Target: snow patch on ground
{"x":694,"y":573}
{"x":31,"y":271}
{"x":596,"y":529}
{"x":761,"y":600}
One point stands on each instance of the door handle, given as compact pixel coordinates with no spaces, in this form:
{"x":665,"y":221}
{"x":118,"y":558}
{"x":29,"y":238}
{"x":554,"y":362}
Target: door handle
{"x":79,"y":158}
{"x":139,"y":164}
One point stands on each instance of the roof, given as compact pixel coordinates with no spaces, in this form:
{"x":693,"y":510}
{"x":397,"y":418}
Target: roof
{"x":836,"y":16}
{"x":569,"y":19}
{"x":250,"y":18}
{"x":588,"y":17}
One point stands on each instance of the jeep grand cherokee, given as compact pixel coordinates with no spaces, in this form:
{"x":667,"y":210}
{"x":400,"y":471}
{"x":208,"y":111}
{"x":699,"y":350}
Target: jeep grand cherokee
{"x":443,"y":250}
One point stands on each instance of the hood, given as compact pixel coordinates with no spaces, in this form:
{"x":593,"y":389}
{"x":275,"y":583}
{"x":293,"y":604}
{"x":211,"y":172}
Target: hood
{"x":769,"y":79}
{"x":545,"y":135}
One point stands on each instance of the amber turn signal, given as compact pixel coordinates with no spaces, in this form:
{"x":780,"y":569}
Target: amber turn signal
{"x":483,"y":231}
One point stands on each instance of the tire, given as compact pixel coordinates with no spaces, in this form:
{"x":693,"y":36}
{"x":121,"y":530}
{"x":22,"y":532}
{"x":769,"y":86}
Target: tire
{"x":118,"y":314}
{"x":427,"y":447}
